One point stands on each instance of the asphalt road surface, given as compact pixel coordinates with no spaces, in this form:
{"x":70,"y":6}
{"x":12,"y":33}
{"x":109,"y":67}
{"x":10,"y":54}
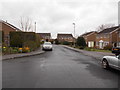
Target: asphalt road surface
{"x":60,"y":68}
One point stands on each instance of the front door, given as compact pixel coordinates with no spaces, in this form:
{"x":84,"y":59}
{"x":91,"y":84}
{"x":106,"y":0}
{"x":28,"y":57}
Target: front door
{"x":101,"y":45}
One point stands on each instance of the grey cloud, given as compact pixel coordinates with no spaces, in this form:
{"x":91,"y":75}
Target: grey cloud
{"x":58,"y":15}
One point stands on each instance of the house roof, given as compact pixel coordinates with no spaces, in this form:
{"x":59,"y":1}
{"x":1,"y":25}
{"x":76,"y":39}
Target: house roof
{"x":64,"y":35}
{"x":44,"y":34}
{"x":10,"y":25}
{"x":87,"y":33}
{"x":108,"y":30}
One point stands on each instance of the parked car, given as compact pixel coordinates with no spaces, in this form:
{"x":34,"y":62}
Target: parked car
{"x":47,"y":46}
{"x":111,"y":61}
{"x":116,"y":50}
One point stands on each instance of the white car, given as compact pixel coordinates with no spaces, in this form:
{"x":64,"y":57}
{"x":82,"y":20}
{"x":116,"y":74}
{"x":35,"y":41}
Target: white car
{"x":111,"y":61}
{"x":47,"y":46}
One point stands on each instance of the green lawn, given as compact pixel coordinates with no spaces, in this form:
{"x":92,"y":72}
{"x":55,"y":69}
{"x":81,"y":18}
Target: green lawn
{"x":98,"y":50}
{"x":93,"y":49}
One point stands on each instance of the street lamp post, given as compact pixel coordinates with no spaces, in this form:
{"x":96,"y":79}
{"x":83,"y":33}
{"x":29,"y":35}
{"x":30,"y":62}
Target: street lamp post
{"x":35,"y":27}
{"x":74,"y":34}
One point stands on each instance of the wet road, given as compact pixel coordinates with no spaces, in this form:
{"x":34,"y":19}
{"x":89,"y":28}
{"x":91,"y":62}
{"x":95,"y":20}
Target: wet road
{"x":60,"y":68}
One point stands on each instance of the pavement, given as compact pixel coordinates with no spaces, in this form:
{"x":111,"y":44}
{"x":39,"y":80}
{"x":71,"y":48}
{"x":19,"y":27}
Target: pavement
{"x":94,"y":54}
{"x":20,"y":55}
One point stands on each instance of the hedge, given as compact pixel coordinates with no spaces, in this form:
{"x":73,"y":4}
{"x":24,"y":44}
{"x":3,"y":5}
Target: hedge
{"x":1,"y":36}
{"x":24,"y":39}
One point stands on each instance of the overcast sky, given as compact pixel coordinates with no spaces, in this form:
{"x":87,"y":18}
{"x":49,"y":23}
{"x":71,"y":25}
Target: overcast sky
{"x":57,"y":16}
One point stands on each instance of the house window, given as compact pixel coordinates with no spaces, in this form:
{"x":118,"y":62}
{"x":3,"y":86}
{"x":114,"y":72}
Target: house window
{"x":105,"y":35}
{"x":97,"y":36}
{"x":91,"y":44}
{"x":106,"y":43}
{"x":101,"y":36}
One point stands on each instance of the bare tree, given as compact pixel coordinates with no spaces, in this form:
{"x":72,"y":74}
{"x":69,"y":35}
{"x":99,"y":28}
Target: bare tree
{"x":104,"y":26}
{"x":26,"y":24}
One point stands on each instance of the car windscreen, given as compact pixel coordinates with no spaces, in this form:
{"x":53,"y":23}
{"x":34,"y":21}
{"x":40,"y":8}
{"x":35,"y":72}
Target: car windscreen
{"x":47,"y":43}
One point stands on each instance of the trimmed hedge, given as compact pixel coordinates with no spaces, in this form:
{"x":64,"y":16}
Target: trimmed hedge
{"x":67,"y":43}
{"x":16,"y":39}
{"x":24,"y":39}
{"x":1,"y":36}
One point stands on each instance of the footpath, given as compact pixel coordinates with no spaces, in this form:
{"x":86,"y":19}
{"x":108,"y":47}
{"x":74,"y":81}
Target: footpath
{"x":19,"y":55}
{"x":94,"y":54}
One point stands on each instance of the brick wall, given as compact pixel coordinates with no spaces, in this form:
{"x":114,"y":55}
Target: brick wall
{"x":6,"y":29}
{"x":90,"y":38}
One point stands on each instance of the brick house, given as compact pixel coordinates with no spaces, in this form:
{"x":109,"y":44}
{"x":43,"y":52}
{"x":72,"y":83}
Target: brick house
{"x":65,"y":37}
{"x":107,"y":37}
{"x":7,"y":28}
{"x":45,"y":36}
{"x":118,"y":37}
{"x":90,"y":38}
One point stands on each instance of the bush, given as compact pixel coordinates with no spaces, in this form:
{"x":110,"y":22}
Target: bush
{"x":24,"y":39}
{"x":56,"y":41}
{"x":37,"y":40}
{"x":17,"y":39}
{"x":108,"y":47}
{"x":81,"y":42}
{"x":25,"y":49}
{"x":31,"y":44}
{"x":81,"y":47}
{"x":1,"y":36}
{"x":66,"y":43}
{"x":9,"y":50}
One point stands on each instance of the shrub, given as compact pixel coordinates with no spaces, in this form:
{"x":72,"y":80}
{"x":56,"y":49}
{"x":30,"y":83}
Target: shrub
{"x":25,"y":49}
{"x":6,"y":50}
{"x":31,"y":44}
{"x":52,"y":42}
{"x":108,"y":47}
{"x":24,"y":39}
{"x":17,"y":39}
{"x":66,"y":43}
{"x":56,"y":41}
{"x":1,"y":36}
{"x":9,"y":50}
{"x":20,"y":50}
{"x":81,"y":42}
{"x":81,"y":47}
